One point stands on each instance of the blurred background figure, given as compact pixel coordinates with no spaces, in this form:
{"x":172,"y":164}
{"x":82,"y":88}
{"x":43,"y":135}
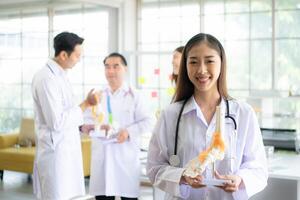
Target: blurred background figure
{"x":177,"y":53}
{"x":115,"y":165}
{"x":58,"y":160}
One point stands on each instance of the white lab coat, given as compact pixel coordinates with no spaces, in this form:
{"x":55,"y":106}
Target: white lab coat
{"x":115,"y":168}
{"x":194,"y":137}
{"x":58,"y":169}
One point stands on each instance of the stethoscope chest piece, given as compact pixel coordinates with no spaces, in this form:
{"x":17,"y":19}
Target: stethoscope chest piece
{"x":174,"y":160}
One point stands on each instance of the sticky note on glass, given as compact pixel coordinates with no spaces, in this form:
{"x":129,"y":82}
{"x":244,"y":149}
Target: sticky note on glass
{"x":154,"y":94}
{"x":141,"y":80}
{"x":156,"y":71}
{"x":171,"y":91}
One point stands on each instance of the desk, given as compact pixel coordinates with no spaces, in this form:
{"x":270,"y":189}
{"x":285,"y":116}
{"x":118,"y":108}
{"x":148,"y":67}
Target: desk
{"x":284,"y":177}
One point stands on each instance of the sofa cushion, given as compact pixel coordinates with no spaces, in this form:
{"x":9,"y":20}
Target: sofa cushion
{"x":22,"y":158}
{"x":17,"y":159}
{"x":8,"y":139}
{"x":21,"y":154}
{"x":27,"y":133}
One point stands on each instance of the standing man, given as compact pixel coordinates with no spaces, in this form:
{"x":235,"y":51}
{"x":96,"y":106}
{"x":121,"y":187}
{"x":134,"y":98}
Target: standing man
{"x":58,"y":169}
{"x":115,"y":167}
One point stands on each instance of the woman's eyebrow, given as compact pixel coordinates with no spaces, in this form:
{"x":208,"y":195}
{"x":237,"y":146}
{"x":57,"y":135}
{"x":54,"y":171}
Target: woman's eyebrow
{"x":195,"y":57}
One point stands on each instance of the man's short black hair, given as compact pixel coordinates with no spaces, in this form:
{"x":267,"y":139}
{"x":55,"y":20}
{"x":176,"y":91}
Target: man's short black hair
{"x":115,"y":54}
{"x":66,"y":41}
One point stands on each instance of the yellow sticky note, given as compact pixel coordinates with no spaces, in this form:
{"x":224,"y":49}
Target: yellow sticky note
{"x":171,"y":91}
{"x":100,"y":117}
{"x":141,"y":80}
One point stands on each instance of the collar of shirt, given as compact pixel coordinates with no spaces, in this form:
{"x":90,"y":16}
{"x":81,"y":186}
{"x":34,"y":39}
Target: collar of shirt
{"x":123,"y":90}
{"x":56,"y":68}
{"x":191,"y":106}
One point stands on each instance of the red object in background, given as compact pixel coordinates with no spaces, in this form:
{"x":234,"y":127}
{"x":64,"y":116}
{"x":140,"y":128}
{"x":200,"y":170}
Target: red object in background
{"x":156,"y":71}
{"x":154,"y":94}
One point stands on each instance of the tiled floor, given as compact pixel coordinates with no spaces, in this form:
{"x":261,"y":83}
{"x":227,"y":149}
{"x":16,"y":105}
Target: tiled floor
{"x":15,"y":186}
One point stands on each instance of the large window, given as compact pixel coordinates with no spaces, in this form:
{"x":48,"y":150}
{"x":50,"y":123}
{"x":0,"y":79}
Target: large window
{"x":88,"y":73}
{"x":261,"y":39}
{"x":23,"y":49}
{"x":164,"y":25}
{"x":26,"y":44}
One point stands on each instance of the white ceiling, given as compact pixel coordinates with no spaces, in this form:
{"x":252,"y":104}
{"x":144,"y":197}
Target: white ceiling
{"x":7,"y":2}
{"x":6,"y":5}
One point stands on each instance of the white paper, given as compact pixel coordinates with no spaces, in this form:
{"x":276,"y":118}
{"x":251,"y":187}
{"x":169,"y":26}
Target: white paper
{"x":109,"y":140}
{"x":97,"y":134}
{"x":215,"y":182}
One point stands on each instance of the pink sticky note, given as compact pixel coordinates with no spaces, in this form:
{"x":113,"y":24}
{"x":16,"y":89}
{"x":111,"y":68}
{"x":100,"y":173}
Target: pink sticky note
{"x":157,"y":71}
{"x":153,"y":94}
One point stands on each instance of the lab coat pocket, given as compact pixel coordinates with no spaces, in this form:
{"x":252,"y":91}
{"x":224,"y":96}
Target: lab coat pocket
{"x":53,"y":141}
{"x":128,"y":115}
{"x":46,"y":140}
{"x":56,"y":138}
{"x":129,"y":155}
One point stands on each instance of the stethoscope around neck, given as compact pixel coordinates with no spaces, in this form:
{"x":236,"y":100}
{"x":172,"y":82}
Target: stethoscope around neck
{"x":174,"y":159}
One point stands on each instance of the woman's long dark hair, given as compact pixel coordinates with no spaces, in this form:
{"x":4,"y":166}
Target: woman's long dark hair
{"x":175,"y":76}
{"x":184,"y":87}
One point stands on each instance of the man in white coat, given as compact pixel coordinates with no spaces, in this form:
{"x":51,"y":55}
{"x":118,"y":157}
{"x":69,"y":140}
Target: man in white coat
{"x":115,"y":167}
{"x":58,"y":169}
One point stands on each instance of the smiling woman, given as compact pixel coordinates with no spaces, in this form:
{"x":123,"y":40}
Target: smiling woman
{"x":203,"y":66}
{"x":201,"y":91}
